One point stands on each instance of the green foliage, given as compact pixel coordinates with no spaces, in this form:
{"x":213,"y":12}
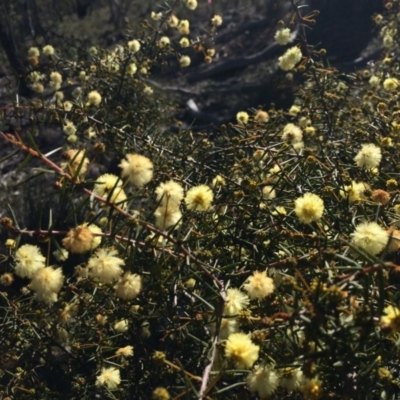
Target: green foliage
{"x":323,"y":319}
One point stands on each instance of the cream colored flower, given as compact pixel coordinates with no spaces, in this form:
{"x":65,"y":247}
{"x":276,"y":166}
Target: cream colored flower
{"x":94,"y":98}
{"x":137,"y":168}
{"x":268,"y":193}
{"x":121,"y":326}
{"x":291,"y":379}
{"x":185,"y":61}
{"x":236,"y":301}
{"x":289,"y":60}
{"x":370,"y":237}
{"x":169,"y":193}
{"x":261,"y":116}
{"x":134,"y":46}
{"x":199,"y":198}
{"x":129,"y":286}
{"x":216,"y":20}
{"x":126,"y":351}
{"x":167,"y":216}
{"x":309,"y":208}
{"x":242,"y":117}
{"x":282,"y":36}
{"x":28,"y":260}
{"x":109,"y":377}
{"x":105,"y":266}
{"x":390,"y":84}
{"x":292,"y":133}
{"x":259,"y":285}
{"x":77,"y":162}
{"x":48,"y":50}
{"x":263,"y":380}
{"x":241,"y":350}
{"x":369,"y":156}
{"x":46,"y":283}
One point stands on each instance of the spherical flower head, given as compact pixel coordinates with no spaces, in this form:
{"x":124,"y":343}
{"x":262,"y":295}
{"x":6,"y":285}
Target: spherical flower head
{"x":289,"y":60}
{"x":228,"y":326}
{"x":263,"y":380}
{"x":148,"y":90}
{"x":48,"y":50}
{"x":109,"y":377}
{"x":191,"y":4}
{"x":80,"y":239}
{"x":105,"y":266}
{"x":388,"y":41}
{"x":374,"y":81}
{"x":109,"y":187}
{"x":184,"y":27}
{"x":156,"y":16}
{"x":282,"y":36}
{"x":291,"y":379}
{"x":37,"y":87}
{"x":292,"y":133}
{"x":391,"y":318}
{"x":199,"y":198}
{"x":77,"y":162}
{"x":309,"y":208}
{"x":268,"y":193}
{"x":184,"y":61}
{"x":126,"y":351}
{"x":218,"y":182}
{"x":261,"y":116}
{"x":55,"y":80}
{"x":294,"y":110}
{"x":236,"y":301}
{"x":170,"y":192}
{"x":129,"y":286}
{"x":241,"y":350}
{"x":131,"y":69}
{"x":134,"y":46}
{"x":167,"y":216}
{"x":242,"y":117}
{"x":28,"y":260}
{"x":216,"y":20}
{"x":69,"y":128}
{"x":390,"y":84}
{"x":380,"y":196}
{"x":33,"y":52}
{"x":184,"y":42}
{"x":311,"y":388}
{"x":164,"y":41}
{"x":370,"y":237}
{"x":259,"y":285}
{"x":173,"y":21}
{"x":6,"y":279}
{"x":160,"y":393}
{"x":46,"y":282}
{"x":94,"y":98}
{"x":369,"y":156}
{"x":137,"y":168}
{"x":355,"y":191}
{"x":121,"y":326}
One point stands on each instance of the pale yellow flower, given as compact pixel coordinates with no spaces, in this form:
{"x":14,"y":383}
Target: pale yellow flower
{"x":259,"y":285}
{"x":199,"y":198}
{"x":109,"y":377}
{"x":309,"y":208}
{"x":241,"y":350}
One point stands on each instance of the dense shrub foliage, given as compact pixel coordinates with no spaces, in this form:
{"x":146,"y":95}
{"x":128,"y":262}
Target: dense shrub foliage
{"x":258,"y":259}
